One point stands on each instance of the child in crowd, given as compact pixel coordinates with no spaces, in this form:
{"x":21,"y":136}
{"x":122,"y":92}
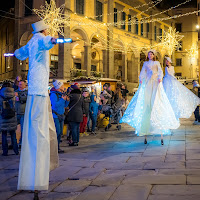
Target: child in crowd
{"x":86,"y":105}
{"x":93,"y":111}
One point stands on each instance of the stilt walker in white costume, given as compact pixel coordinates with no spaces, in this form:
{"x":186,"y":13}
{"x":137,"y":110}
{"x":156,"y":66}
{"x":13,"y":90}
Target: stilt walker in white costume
{"x":183,"y":101}
{"x":149,"y":111}
{"x":39,"y":153}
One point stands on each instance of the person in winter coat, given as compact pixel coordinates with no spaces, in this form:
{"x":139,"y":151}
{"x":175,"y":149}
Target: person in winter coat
{"x":196,"y":91}
{"x":21,"y":95}
{"x":75,"y":113}
{"x":124,"y":91}
{"x":59,"y":102}
{"x":86,"y":105}
{"x":39,"y":133}
{"x":8,"y":118}
{"x":94,"y":109}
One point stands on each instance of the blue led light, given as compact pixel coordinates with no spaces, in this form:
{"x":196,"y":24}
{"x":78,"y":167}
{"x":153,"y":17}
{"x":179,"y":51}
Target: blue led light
{"x":66,"y":40}
{"x":8,"y":54}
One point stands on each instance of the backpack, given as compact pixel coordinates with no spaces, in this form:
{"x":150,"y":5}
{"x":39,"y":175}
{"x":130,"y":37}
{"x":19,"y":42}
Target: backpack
{"x":8,"y":109}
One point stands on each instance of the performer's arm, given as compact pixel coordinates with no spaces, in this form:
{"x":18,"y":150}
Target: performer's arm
{"x":46,"y":43}
{"x":143,"y":73}
{"x":160,"y":73}
{"x":22,"y":53}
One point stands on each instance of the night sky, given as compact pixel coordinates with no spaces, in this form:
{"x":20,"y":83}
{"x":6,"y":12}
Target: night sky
{"x":163,"y":5}
{"x":169,"y":3}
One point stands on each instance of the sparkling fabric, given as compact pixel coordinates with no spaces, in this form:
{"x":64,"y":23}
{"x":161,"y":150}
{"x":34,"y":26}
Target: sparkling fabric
{"x":37,"y":52}
{"x":182,"y":100}
{"x":149,"y":111}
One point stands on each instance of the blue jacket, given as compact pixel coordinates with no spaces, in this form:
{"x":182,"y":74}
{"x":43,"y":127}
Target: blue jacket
{"x":94,"y":106}
{"x":58,"y":104}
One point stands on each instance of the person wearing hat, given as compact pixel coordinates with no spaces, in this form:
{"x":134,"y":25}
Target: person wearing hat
{"x":149,"y":111}
{"x":39,"y":134}
{"x":75,"y":113}
{"x":183,"y":101}
{"x":59,"y":101}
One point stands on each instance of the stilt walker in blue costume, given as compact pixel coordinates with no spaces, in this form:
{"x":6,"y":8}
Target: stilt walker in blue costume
{"x":39,"y":153}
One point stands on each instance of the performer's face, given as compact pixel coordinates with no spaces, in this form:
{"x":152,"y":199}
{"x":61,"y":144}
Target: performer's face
{"x":46,"y":32}
{"x":168,"y":63}
{"x":150,"y":56}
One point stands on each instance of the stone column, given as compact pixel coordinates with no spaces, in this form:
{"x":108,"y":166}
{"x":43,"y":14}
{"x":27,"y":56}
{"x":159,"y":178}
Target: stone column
{"x":64,"y":55}
{"x":110,"y":53}
{"x":18,"y":13}
{"x":105,"y":63}
{"x":82,"y":60}
{"x":87,"y":59}
{"x":135,"y":69}
{"x":124,"y":67}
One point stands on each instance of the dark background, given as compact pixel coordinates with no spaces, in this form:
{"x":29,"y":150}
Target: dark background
{"x":7,"y":4}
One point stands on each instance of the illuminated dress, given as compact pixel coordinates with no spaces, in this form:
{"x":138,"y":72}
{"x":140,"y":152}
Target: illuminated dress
{"x":149,"y":111}
{"x":182,"y":100}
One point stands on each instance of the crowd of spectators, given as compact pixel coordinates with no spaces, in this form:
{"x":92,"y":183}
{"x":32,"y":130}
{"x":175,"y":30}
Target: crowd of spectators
{"x":76,"y":107}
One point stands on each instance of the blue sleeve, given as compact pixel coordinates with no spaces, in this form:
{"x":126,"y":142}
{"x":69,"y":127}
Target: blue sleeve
{"x":90,"y":108}
{"x":66,"y":103}
{"x":45,"y":43}
{"x":22,"y":53}
{"x":55,"y":102}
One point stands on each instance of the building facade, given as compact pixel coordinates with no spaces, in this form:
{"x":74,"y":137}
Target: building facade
{"x":185,"y":59}
{"x":106,"y":45}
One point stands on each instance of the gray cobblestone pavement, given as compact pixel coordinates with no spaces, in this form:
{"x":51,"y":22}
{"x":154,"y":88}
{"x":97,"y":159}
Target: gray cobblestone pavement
{"x":117,"y":165}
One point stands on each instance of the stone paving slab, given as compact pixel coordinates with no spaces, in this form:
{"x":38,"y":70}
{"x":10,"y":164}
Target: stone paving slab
{"x":97,"y":193}
{"x":131,"y":192}
{"x":158,"y":179}
{"x":179,"y":190}
{"x":174,"y":197}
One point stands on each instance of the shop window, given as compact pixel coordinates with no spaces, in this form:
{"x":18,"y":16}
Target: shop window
{"x":155,"y":33}
{"x":178,"y":27}
{"x":80,"y":7}
{"x":136,"y":25}
{"x":115,"y":16}
{"x":179,"y":62}
{"x":28,"y":7}
{"x":123,"y":20}
{"x":99,"y":11}
{"x":93,"y":68}
{"x":142,"y":29}
{"x":129,"y":23}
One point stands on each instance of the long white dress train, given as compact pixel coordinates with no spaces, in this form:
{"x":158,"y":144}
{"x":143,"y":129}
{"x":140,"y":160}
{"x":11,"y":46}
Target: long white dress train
{"x":182,"y":100}
{"x":150,"y":111}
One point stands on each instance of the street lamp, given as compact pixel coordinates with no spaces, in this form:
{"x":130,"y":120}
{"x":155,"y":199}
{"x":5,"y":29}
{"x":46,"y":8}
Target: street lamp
{"x":197,"y":27}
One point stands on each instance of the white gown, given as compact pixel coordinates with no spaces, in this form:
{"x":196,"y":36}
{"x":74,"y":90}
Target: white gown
{"x":182,"y":100}
{"x":149,"y":111}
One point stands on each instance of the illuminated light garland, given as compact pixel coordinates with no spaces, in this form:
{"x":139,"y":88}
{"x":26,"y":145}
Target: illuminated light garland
{"x":192,"y":52}
{"x":132,"y":8}
{"x":53,"y":17}
{"x":58,"y":21}
{"x":170,"y":40}
{"x":169,"y":9}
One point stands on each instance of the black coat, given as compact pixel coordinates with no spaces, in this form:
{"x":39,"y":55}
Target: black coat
{"x":86,"y":105}
{"x":7,"y":124}
{"x":76,"y":112}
